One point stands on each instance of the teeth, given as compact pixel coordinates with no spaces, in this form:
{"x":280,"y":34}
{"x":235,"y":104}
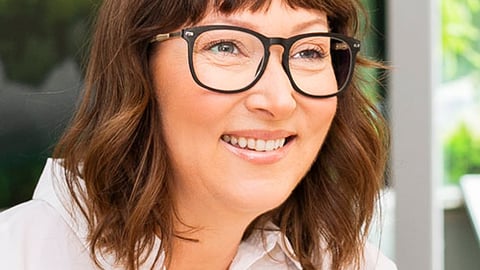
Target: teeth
{"x":260,"y":145}
{"x":254,"y":144}
{"x":242,"y":142}
{"x":251,"y":144}
{"x":271,"y":145}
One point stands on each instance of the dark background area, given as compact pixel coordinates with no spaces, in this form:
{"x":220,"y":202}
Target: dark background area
{"x":42,"y":43}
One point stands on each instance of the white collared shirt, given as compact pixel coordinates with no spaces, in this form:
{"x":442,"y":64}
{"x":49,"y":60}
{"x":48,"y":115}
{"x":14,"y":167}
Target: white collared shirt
{"x":41,"y":234}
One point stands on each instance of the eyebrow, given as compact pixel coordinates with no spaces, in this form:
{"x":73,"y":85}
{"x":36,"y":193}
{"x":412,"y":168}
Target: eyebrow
{"x":296,"y":28}
{"x":313,"y":22}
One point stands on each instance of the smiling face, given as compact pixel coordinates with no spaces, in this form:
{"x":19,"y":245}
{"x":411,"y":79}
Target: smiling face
{"x":240,"y":153}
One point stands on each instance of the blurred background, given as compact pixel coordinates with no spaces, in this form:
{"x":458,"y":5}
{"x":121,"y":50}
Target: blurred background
{"x":43,"y":44}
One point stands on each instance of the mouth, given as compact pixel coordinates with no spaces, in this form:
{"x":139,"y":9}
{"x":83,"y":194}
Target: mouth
{"x":258,"y":145}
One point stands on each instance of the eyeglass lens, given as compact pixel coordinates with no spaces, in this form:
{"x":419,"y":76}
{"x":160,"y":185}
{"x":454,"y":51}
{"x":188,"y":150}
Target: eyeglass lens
{"x":229,"y":60}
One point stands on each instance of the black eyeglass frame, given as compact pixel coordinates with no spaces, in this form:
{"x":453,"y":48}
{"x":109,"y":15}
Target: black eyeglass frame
{"x":191,"y":34}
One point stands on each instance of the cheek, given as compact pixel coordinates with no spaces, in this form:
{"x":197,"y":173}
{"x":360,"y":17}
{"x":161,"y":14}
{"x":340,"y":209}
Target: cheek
{"x":189,"y":113}
{"x":320,"y":121}
{"x":321,"y":116}
{"x":171,"y":82}
{"x":177,"y":93}
{"x":173,"y":86}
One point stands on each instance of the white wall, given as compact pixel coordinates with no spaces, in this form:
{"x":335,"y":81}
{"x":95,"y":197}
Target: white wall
{"x":412,"y":31}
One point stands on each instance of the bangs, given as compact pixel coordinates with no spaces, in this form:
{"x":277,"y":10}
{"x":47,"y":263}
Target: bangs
{"x":163,"y":16}
{"x":154,"y":16}
{"x":342,"y":15}
{"x":232,"y":6}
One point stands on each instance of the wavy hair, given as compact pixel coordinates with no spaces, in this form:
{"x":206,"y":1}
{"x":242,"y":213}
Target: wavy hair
{"x":114,"y":144}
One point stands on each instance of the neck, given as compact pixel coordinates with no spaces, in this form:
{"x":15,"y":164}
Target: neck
{"x":206,"y":247}
{"x":208,"y":230}
{"x":208,"y":236}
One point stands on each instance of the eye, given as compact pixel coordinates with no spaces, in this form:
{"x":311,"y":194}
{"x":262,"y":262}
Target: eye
{"x":224,"y":47}
{"x":314,"y":54}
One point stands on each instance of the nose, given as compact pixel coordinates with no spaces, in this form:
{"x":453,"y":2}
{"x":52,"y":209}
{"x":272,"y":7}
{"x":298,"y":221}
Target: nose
{"x":273,"y":96}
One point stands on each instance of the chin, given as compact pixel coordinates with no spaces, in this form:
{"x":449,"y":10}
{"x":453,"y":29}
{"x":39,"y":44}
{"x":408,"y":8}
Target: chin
{"x":258,"y":201}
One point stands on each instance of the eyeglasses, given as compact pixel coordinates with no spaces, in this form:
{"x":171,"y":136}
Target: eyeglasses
{"x":230,"y":59}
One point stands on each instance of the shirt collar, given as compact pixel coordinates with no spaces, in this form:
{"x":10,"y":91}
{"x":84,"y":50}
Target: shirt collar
{"x":52,"y":189}
{"x":265,"y":245}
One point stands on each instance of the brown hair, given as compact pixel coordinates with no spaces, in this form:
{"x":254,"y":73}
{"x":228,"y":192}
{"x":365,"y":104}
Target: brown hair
{"x":115,"y":145}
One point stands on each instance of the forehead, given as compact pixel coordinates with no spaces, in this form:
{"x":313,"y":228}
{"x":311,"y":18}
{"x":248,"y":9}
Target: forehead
{"x":230,"y":7}
{"x":270,"y":18}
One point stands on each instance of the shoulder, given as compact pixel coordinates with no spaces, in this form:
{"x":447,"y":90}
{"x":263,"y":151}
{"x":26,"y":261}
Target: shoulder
{"x":37,"y":210}
{"x":375,"y":260}
{"x":43,"y":216}
{"x":33,"y":235}
{"x":34,"y":219}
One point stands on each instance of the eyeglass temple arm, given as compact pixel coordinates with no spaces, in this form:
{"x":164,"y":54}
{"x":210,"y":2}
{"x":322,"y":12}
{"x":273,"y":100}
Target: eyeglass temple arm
{"x":163,"y":37}
{"x":343,"y":46}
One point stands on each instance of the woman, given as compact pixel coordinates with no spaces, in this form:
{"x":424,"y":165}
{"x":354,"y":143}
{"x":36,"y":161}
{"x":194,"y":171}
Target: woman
{"x":212,"y":135}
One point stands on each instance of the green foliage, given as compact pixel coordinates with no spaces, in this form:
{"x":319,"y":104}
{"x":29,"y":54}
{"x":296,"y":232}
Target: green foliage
{"x":372,"y":36}
{"x":17,"y":179}
{"x":461,"y":57}
{"x":462,"y":154}
{"x":460,"y":37}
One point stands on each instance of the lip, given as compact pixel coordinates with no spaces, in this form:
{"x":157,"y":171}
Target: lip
{"x":263,"y":157}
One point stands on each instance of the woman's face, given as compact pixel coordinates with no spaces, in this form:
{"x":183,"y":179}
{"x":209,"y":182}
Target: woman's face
{"x":210,"y":172}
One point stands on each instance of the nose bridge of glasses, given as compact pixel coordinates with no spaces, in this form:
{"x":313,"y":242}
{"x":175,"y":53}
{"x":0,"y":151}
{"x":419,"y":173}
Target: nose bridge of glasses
{"x":276,"y":41}
{"x":282,"y":48}
{"x":281,"y":44}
